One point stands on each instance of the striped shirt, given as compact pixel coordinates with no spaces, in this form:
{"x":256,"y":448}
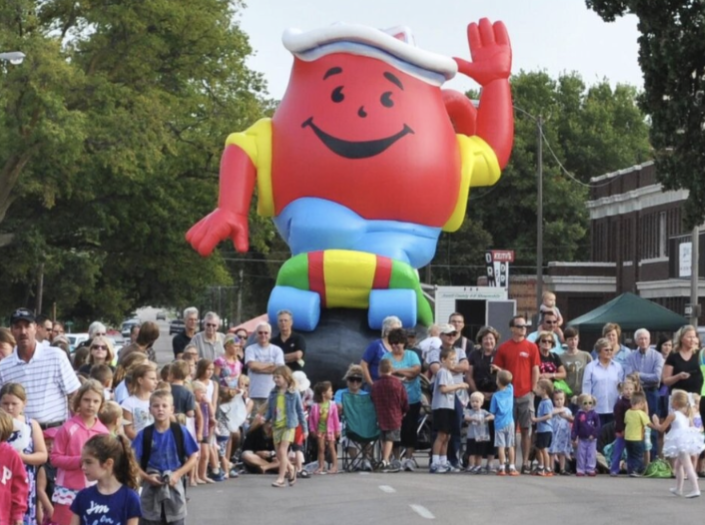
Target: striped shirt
{"x":47,"y":379}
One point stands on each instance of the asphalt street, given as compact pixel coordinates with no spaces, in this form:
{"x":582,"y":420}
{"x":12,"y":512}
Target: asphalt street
{"x":419,"y":497}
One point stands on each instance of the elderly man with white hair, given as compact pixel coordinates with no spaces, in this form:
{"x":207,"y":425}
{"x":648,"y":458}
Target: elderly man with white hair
{"x":261,"y":359}
{"x":648,"y":363}
{"x":209,"y":342}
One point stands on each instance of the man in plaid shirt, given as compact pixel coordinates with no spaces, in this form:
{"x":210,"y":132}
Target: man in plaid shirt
{"x":391,"y":403}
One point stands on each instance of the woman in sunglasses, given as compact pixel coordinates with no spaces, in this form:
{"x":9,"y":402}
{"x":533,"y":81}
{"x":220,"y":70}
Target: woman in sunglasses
{"x":601,"y":380}
{"x":100,"y":353}
{"x":551,"y":366}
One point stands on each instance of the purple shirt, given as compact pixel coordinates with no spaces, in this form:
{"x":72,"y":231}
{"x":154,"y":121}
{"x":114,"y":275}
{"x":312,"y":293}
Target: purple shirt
{"x":586,"y":425}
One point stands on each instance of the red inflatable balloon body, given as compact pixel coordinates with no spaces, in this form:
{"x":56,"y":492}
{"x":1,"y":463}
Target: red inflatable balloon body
{"x":364,"y":163}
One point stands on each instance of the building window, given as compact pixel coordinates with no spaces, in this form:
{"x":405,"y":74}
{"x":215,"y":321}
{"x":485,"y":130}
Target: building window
{"x":662,"y":235}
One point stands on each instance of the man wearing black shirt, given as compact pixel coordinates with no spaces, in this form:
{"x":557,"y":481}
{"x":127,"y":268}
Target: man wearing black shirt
{"x":179,"y":342}
{"x":293,"y":345}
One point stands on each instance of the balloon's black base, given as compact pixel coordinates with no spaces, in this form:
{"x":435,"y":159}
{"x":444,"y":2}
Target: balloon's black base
{"x":340,"y":339}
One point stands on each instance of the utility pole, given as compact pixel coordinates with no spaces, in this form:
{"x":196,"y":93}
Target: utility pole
{"x":694,"y":277}
{"x":539,"y":214}
{"x":239,"y":297}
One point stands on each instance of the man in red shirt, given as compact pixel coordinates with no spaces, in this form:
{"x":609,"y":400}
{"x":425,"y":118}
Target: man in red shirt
{"x":521,"y":358}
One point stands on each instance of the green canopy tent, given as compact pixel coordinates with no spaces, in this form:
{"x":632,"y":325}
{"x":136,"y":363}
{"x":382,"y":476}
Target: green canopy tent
{"x":630,"y":312}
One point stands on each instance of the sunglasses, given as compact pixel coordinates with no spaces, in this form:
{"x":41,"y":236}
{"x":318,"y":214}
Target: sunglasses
{"x":451,"y":334}
{"x":550,"y":322}
{"x":99,"y":347}
{"x":520,"y":326}
{"x":355,"y":379}
{"x":547,"y":341}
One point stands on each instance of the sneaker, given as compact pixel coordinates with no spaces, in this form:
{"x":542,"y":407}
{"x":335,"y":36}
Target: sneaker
{"x":451,"y":468}
{"x":220,"y":476}
{"x":675,"y":491}
{"x":438,"y":469}
{"x":233,"y":473}
{"x":389,"y":467}
{"x":408,"y":465}
{"x":470,"y":469}
{"x":580,"y":474}
{"x":564,"y":473}
{"x":634,"y":475}
{"x":513,"y":472}
{"x":395,"y":463}
{"x":525,"y":469}
{"x":540,"y":472}
{"x":366,"y":466}
{"x":694,"y":494}
{"x":592,"y":474}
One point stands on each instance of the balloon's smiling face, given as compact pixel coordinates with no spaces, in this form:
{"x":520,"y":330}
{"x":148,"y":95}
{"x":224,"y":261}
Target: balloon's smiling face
{"x":354,"y":107}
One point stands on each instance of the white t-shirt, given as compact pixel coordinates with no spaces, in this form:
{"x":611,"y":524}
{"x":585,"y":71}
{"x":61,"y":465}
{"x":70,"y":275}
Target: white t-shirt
{"x":261,"y":384}
{"x":139,"y":409}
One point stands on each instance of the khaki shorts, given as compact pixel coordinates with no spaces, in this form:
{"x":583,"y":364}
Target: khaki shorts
{"x":523,"y":410}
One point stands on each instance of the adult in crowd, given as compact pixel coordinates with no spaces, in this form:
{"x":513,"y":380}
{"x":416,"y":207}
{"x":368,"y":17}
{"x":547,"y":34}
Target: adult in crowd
{"x":551,"y":366}
{"x":407,"y":367}
{"x":180,"y":340}
{"x":481,"y":378}
{"x":613,"y":333}
{"x":261,"y":359}
{"x":376,"y":349}
{"x":7,"y":343}
{"x":57,"y":330}
{"x":521,"y":357}
{"x":100,"y":352}
{"x":149,"y":333}
{"x":353,"y":379}
{"x":209,"y":342}
{"x":44,"y":328}
{"x":682,"y":368}
{"x":574,"y":361}
{"x":664,"y":347}
{"x":292,"y":344}
{"x":601,"y":380}
{"x":43,"y":371}
{"x":648,"y":364}
{"x":97,"y":329}
{"x":134,"y":333}
{"x":449,"y":338}
{"x":549,"y":322}
{"x":457,"y":321}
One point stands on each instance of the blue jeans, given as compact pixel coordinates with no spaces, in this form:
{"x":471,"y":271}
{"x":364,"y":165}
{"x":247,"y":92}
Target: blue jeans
{"x":635,"y":456}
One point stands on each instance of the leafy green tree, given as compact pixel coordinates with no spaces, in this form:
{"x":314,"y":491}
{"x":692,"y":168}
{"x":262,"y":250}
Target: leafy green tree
{"x":672,"y":59}
{"x":590,"y":130}
{"x":115,"y":124}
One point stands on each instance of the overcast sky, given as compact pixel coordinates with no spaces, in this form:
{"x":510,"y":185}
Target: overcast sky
{"x":552,"y":35}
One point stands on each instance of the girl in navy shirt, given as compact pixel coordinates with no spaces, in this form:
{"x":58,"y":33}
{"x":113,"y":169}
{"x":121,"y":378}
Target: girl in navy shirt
{"x":109,"y":461}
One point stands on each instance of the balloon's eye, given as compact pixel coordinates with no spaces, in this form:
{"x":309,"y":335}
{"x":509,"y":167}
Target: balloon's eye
{"x":386,"y":99}
{"x":337,"y":95}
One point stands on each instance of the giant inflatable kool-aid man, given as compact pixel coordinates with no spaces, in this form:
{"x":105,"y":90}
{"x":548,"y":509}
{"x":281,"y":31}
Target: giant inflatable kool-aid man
{"x":364,"y":163}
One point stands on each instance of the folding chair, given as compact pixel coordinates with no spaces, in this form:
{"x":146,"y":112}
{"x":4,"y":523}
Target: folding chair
{"x":360,"y":430}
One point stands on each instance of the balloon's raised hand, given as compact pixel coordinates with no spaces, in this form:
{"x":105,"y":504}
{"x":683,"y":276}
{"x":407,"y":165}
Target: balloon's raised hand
{"x":490,"y":50}
{"x":217,"y":226}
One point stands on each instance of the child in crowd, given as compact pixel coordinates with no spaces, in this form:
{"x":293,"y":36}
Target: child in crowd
{"x":111,"y":416}
{"x":502,"y":408}
{"x":121,"y":379}
{"x":586,"y":428}
{"x":204,"y":431}
{"x":165,"y":452}
{"x":66,"y":453}
{"x":108,"y":462}
{"x":222,"y":432}
{"x":548,"y":304}
{"x":478,"y":436}
{"x":443,"y":407}
{"x":324,"y":423}
{"x":303,"y":386}
{"x":624,"y":403}
{"x":544,"y":428}
{"x":46,"y":481}
{"x":635,"y":422}
{"x":682,"y":441}
{"x":135,"y":409}
{"x":184,"y":400}
{"x":561,"y":447}
{"x":228,"y":366}
{"x":28,"y":441}
{"x":284,"y":413}
{"x":391,"y":403}
{"x":14,"y":488}
{"x":104,"y":375}
{"x":236,"y":411}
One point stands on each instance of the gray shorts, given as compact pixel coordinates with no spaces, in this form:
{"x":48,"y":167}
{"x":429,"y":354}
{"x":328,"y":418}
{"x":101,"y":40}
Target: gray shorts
{"x":391,"y":435}
{"x":504,"y":437}
{"x":523,"y":410}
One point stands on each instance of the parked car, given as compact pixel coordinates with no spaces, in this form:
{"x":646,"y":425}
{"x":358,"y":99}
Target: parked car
{"x":127,"y":327}
{"x":76,"y":339}
{"x":161,"y":315}
{"x":176,"y":326}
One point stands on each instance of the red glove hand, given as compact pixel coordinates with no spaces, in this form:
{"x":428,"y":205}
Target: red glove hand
{"x":217,"y":226}
{"x":490,"y":50}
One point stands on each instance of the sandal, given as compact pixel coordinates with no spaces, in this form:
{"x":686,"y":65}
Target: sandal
{"x":278,"y":484}
{"x":292,"y":479}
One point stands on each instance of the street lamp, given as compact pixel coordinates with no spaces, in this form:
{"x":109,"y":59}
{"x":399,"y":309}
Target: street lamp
{"x":13,"y":57}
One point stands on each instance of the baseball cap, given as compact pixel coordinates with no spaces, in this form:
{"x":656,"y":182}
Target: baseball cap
{"x":50,"y":433}
{"x":22,"y":314}
{"x":448,"y":329}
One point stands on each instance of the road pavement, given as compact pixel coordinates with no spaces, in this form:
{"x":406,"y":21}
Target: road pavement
{"x":419,"y":497}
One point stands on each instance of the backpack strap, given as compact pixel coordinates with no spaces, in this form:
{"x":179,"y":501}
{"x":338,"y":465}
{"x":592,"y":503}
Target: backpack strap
{"x":178,"y":432}
{"x":147,"y":436}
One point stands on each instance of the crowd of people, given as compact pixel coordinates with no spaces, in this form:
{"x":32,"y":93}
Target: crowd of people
{"x":81,"y":432}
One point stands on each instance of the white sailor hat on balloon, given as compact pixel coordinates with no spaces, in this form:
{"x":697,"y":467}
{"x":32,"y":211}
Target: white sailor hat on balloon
{"x":394,"y":46}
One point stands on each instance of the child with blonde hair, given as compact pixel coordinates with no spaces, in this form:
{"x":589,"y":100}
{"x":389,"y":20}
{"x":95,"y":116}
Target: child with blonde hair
{"x":627,"y":389}
{"x":111,"y":416}
{"x":14,"y":490}
{"x":586,"y":429}
{"x":478,"y":435}
{"x":204,"y":431}
{"x":135,"y":409}
{"x":66,"y":453}
{"x":682,"y":441}
{"x":562,"y":420}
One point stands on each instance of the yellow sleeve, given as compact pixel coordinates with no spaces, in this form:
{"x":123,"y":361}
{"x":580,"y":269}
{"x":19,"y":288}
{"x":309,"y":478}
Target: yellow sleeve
{"x":478,"y":167}
{"x":256,"y":142}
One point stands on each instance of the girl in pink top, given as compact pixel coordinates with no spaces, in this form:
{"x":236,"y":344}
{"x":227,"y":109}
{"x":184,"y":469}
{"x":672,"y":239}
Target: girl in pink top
{"x":66,"y":454}
{"x":324,"y":423}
